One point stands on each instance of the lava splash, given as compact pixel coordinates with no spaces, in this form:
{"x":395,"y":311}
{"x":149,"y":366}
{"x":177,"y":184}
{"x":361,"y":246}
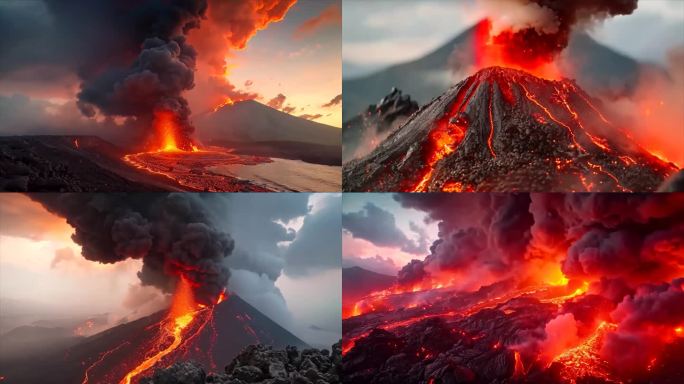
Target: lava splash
{"x":504,"y":129}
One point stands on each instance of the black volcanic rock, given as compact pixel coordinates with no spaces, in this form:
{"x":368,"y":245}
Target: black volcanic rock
{"x":260,"y":364}
{"x":506,"y":130}
{"x":376,"y":121}
{"x":69,"y":164}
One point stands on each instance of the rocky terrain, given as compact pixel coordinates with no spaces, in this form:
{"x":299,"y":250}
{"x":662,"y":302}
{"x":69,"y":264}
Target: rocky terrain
{"x":367,"y":129}
{"x":70,"y":163}
{"x":260,"y":364}
{"x":506,"y":130}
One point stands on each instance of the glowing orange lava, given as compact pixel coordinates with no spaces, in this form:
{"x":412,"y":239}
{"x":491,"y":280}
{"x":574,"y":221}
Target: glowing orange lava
{"x":584,"y":359}
{"x":165,"y":127}
{"x":181,"y":315}
{"x":491,"y":50}
{"x":226,"y":101}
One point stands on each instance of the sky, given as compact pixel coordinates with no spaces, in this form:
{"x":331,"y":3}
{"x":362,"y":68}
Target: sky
{"x":385,"y":32}
{"x":59,"y":48}
{"x":380,"y":235}
{"x":286,"y":263}
{"x":305,"y":67}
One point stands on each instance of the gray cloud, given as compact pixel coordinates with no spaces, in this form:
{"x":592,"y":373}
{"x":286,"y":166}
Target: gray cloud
{"x":380,"y":228}
{"x":318,"y":244}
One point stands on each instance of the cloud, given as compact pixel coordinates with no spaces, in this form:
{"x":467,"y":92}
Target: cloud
{"x":311,"y":117}
{"x":380,"y":228}
{"x":331,"y":16}
{"x":63,"y":255}
{"x":277,"y":102}
{"x":318,"y":243}
{"x":334,"y":101}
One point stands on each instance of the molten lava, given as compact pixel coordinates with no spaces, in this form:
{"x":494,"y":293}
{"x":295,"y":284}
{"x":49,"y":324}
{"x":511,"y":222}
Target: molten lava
{"x":527,"y":51}
{"x":182,"y":313}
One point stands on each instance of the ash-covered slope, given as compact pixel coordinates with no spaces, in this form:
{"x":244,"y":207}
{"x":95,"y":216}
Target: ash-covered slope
{"x":506,"y":130}
{"x":109,"y":355}
{"x":376,"y":122}
{"x":251,"y":121}
{"x":70,"y":164}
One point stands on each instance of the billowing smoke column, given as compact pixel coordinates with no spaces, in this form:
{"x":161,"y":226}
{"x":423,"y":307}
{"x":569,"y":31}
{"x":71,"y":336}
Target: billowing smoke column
{"x":538,"y":30}
{"x":173,"y":235}
{"x":149,"y":66}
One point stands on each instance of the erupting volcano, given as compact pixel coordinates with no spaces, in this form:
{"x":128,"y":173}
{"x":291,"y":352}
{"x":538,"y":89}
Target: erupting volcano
{"x":518,"y":122}
{"x":544,"y":289}
{"x":503,"y":129}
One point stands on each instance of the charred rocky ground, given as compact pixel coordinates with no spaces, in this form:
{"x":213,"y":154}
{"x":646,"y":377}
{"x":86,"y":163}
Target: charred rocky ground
{"x":70,"y":163}
{"x":481,"y":337}
{"x":260,"y":364}
{"x":506,"y":130}
{"x":376,"y":122}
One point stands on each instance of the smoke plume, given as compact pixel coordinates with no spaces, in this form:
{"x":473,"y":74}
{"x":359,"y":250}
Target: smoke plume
{"x":635,"y":238}
{"x":173,"y":235}
{"x":156,"y":77}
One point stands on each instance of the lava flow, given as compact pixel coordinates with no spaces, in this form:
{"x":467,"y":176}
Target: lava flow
{"x":183,"y":323}
{"x":503,"y":129}
{"x":182,"y":313}
{"x":529,"y":288}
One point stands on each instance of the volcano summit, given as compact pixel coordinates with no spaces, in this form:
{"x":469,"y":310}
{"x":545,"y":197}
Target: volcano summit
{"x":503,"y":129}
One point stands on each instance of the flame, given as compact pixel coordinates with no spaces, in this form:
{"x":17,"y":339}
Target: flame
{"x":181,"y":315}
{"x":76,"y":144}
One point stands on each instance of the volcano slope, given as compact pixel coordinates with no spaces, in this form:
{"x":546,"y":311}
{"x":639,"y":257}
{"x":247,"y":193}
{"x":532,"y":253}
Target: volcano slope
{"x":506,"y":130}
{"x":217,"y":335}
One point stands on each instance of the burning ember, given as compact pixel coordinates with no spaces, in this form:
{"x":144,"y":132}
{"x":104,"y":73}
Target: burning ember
{"x":540,"y":288}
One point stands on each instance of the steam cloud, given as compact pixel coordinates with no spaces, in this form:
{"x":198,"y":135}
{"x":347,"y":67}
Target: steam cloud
{"x":173,"y":235}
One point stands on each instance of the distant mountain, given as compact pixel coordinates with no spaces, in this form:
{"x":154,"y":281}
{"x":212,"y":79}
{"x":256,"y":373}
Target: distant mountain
{"x":599,"y":69}
{"x":251,"y":121}
{"x":234,"y":325}
{"x":27,"y":340}
{"x":358,"y":282}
